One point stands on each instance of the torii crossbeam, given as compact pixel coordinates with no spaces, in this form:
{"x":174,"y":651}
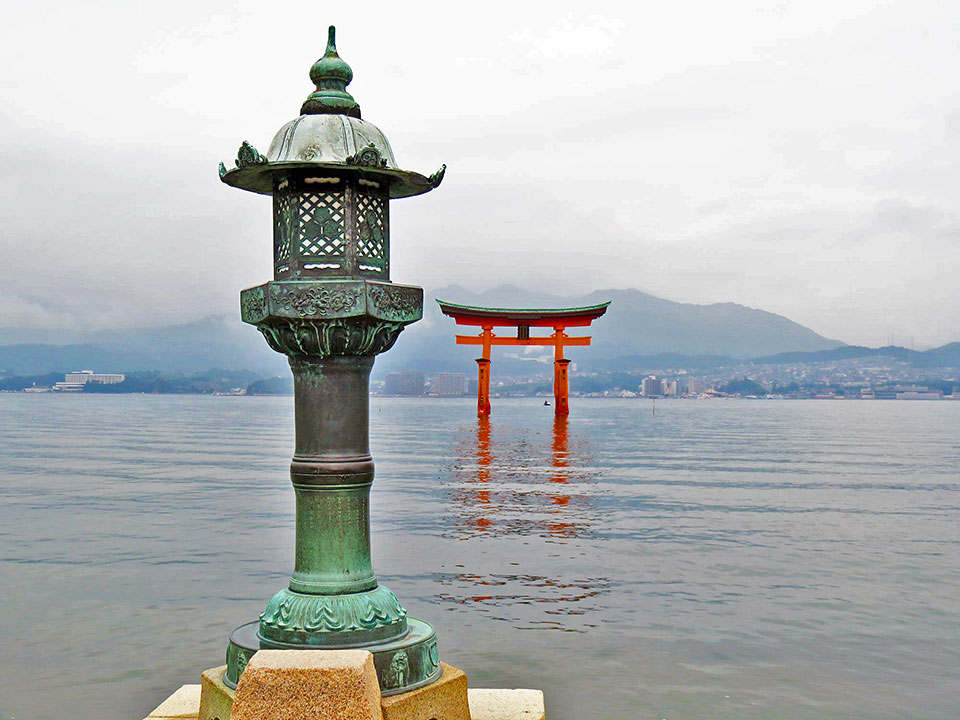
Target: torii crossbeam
{"x":523,"y":319}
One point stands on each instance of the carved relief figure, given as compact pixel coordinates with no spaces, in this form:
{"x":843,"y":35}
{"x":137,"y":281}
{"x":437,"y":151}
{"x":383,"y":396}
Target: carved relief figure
{"x":396,"y":675}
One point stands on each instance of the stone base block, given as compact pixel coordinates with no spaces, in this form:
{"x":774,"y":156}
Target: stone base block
{"x":506,"y":704}
{"x":308,"y":685}
{"x":216,"y":699}
{"x":443,"y":699}
{"x":182,"y":705}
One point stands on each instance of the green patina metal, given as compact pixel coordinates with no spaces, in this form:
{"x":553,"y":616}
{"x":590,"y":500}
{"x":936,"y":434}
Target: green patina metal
{"x":331,"y":308}
{"x":331,"y":75}
{"x":365,"y":617}
{"x":331,"y":298}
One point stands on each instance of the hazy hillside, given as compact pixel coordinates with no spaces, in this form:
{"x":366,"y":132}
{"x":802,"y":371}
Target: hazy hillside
{"x":189,"y":348}
{"x":636,"y":324}
{"x":945,"y":356}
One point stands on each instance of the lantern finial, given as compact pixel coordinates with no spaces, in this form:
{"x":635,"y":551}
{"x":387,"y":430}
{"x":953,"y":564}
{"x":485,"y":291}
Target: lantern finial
{"x":331,"y":75}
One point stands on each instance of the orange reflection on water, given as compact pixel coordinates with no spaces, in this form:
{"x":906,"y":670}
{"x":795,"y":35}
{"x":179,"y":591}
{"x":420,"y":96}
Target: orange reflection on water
{"x":493,"y":504}
{"x":484,"y":458}
{"x":561,"y":474}
{"x":518,"y":482}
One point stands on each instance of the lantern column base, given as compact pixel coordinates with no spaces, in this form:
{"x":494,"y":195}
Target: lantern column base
{"x":403,"y":664}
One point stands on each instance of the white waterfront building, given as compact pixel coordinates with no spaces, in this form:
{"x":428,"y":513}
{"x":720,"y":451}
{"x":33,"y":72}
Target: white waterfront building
{"x":449,"y":384}
{"x":74,"y":381}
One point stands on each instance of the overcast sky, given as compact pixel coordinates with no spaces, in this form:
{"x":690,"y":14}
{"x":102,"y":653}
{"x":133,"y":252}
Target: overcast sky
{"x":797,"y":157}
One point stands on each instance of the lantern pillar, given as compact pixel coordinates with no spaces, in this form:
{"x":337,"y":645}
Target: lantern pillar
{"x":331,"y":308}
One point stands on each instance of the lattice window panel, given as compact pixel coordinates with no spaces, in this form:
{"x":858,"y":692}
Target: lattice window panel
{"x":284,"y":221}
{"x":321,"y":236}
{"x":371,"y":228}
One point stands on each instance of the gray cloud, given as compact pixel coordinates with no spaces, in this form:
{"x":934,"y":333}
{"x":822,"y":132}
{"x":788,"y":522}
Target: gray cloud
{"x":781,"y":156}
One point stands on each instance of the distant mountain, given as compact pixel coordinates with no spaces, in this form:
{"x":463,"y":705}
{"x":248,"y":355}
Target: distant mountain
{"x":847,"y":352}
{"x":945,"y":356}
{"x":638,"y":331}
{"x":663,"y":361}
{"x":215,"y":342}
{"x":636,"y":325}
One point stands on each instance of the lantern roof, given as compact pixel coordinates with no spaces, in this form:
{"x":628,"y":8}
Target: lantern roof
{"x":329,"y":136}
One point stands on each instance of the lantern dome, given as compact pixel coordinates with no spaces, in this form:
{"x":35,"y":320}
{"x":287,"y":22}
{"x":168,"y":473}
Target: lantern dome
{"x":338,"y":139}
{"x":329,"y":136}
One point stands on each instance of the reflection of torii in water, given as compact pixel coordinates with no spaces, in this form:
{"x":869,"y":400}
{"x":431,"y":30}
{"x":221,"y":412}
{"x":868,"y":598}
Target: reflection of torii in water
{"x":560,"y":474}
{"x":484,"y":458}
{"x":489,"y":507}
{"x":523,"y":319}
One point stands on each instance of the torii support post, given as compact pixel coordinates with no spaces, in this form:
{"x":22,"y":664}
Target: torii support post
{"x":483,"y":387}
{"x":560,"y":387}
{"x":483,"y":372}
{"x":561,"y":375}
{"x":559,"y":319}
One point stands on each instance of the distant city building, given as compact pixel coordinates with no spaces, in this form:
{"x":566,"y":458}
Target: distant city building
{"x":409,"y":382}
{"x":695,"y":387}
{"x":903,"y":392}
{"x":75,"y":381}
{"x":920,"y":395}
{"x":651,"y":387}
{"x":447,"y":384}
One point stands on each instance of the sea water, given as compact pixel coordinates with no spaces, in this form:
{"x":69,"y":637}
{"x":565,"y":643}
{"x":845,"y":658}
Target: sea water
{"x":711,"y":559}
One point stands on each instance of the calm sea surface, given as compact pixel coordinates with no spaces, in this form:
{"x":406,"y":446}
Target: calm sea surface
{"x":717,"y":559}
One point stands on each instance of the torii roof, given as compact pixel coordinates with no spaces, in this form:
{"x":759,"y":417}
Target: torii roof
{"x":476,"y":315}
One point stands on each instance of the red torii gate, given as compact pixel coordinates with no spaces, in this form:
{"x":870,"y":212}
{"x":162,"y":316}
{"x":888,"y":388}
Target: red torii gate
{"x":523,"y":319}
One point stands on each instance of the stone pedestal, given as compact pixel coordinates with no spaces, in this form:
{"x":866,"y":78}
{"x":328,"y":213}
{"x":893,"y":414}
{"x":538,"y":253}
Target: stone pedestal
{"x":308,"y":685}
{"x":446,"y":699}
